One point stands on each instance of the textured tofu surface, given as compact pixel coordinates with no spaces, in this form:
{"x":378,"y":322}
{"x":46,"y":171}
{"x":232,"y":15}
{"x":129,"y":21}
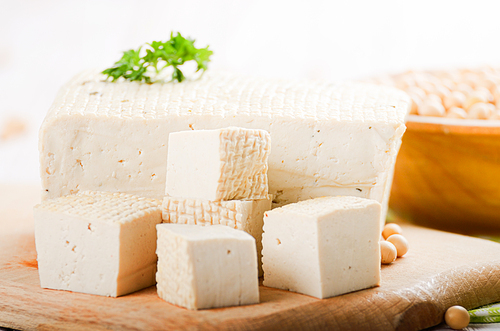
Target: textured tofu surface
{"x":232,"y":95}
{"x":322,"y":247}
{"x":222,"y":164}
{"x":206,"y":267}
{"x":97,"y":243}
{"x":247,"y":216}
{"x":105,"y":206}
{"x":327,"y":139}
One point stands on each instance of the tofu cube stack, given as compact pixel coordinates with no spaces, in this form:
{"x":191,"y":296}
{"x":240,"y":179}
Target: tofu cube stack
{"x":219,"y":177}
{"x":215,"y":177}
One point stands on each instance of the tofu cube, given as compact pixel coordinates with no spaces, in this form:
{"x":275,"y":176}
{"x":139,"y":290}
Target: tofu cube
{"x":247,"y":216}
{"x":97,"y":243}
{"x":206,"y":266}
{"x":223,"y":164}
{"x":322,"y":247}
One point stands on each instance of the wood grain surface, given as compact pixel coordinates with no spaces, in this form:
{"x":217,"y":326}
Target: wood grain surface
{"x":440,"y":270}
{"x":448,"y":177}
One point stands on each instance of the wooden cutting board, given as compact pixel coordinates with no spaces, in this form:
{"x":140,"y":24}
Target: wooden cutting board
{"x":440,"y":270}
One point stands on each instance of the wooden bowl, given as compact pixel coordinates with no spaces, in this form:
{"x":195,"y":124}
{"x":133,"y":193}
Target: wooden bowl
{"x":447,"y":175}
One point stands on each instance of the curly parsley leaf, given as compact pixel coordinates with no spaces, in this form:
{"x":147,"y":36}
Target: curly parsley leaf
{"x":158,"y":56}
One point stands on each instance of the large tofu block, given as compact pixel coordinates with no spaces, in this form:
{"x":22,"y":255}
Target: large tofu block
{"x":247,"y":216}
{"x":327,"y":139}
{"x":97,"y":243}
{"x":322,"y":247}
{"x":223,"y":164}
{"x":206,"y":266}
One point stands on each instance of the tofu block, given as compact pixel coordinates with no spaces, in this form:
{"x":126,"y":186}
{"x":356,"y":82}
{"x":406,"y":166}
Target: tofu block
{"x":247,"y":216}
{"x":327,"y":138}
{"x":223,"y":164}
{"x":206,"y":266}
{"x":97,"y":243}
{"x":322,"y":247}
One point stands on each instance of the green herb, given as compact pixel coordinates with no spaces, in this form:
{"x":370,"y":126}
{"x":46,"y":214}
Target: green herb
{"x":159,"y":55}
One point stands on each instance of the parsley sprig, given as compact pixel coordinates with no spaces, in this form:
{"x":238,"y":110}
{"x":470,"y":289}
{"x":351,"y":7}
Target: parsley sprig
{"x":158,"y":56}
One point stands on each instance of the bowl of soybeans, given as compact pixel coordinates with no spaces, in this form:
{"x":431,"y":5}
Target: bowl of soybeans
{"x":447,"y":173}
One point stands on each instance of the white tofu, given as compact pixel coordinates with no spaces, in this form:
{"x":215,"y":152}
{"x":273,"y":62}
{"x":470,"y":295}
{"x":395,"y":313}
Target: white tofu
{"x":322,"y":247}
{"x":247,"y":216}
{"x":223,"y":164}
{"x":327,"y":139}
{"x":206,"y":266}
{"x":97,"y":243}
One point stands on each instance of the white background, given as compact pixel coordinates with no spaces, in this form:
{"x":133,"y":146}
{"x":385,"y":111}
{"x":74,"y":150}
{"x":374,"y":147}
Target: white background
{"x":44,"y":43}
